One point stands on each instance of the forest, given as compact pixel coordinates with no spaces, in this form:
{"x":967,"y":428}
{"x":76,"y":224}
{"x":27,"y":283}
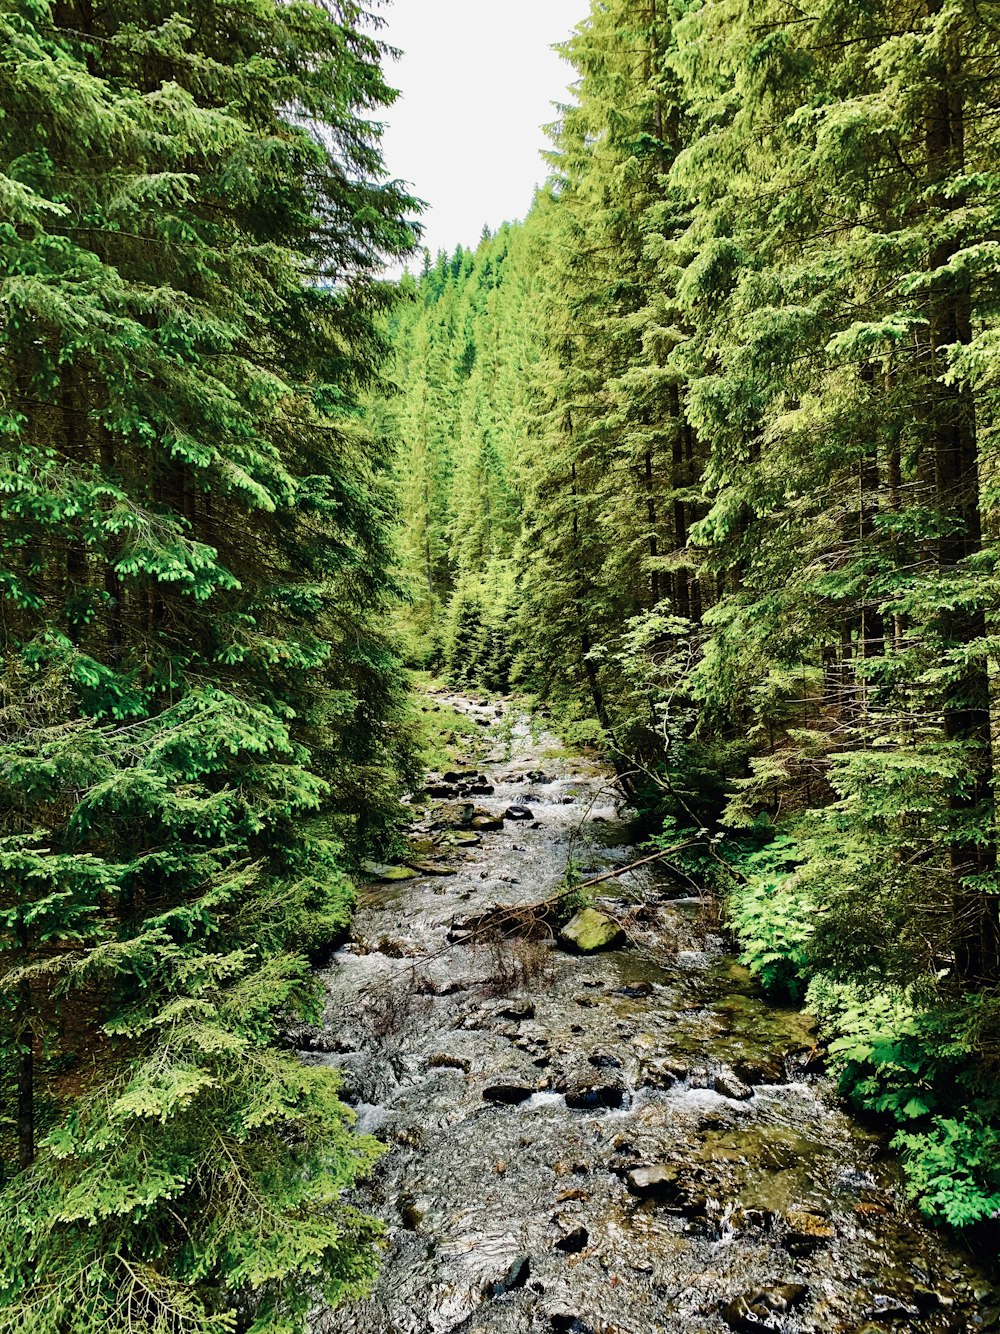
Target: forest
{"x":701,"y":459}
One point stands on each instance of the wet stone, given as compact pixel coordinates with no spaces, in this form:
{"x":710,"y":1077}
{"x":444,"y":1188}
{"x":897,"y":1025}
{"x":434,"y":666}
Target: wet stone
{"x":519,"y":813}
{"x":590,"y":931}
{"x":563,"y":1323}
{"x":887,"y":1306}
{"x":508,"y":1094}
{"x":760,"y":1309}
{"x":760,"y":1070}
{"x":729,"y":1086}
{"x":659,"y":1182}
{"x":516,"y":1277}
{"x":807,"y":1231}
{"x":486,"y":824}
{"x":388,"y":874}
{"x":594,"y":1094}
{"x":455,"y":815}
{"x":575,"y":1241}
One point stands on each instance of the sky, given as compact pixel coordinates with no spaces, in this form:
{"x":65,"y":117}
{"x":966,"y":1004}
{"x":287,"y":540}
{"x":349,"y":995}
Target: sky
{"x":478,"y":81}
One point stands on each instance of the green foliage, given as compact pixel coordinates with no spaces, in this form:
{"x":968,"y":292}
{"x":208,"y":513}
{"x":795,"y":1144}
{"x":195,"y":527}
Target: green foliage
{"x":774,"y":916}
{"x":922,"y":1066}
{"x":703,"y":456}
{"x":202,"y":718}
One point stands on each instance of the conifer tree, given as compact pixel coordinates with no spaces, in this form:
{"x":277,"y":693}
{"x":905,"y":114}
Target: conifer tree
{"x":199,"y":709}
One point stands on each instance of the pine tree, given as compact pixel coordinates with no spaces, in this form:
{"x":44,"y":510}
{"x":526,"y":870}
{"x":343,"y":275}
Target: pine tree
{"x":200,"y":709}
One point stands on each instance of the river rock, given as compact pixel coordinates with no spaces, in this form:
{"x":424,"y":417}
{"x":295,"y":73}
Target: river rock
{"x":440,"y":792}
{"x":519,"y":813}
{"x":729,"y":1086}
{"x":806,"y":1231}
{"x":431,"y":868}
{"x":573,"y":1242}
{"x":759,"y":1070}
{"x":564,"y":1323}
{"x":486,"y":823}
{"x":659,"y":1182}
{"x":376,"y":871}
{"x":637,"y":992}
{"x":887,"y":1306}
{"x":509,"y":1094}
{"x":516,"y":1277}
{"x":664,"y":1074}
{"x":455,"y":815}
{"x":590,"y":1093}
{"x":589,"y":931}
{"x":756,"y":1311}
{"x":461,"y":775}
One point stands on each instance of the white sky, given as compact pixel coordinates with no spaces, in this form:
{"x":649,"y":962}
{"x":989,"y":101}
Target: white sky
{"x":478,"y":80}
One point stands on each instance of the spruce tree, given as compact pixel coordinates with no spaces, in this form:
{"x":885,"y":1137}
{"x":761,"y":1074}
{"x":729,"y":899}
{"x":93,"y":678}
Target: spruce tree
{"x":199,"y":705}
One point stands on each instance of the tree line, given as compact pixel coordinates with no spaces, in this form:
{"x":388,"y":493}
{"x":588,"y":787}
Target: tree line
{"x":704,"y":454}
{"x":202,"y":715}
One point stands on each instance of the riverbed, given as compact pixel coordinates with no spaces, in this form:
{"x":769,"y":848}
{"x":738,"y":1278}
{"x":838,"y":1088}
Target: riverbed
{"x":622,"y":1143}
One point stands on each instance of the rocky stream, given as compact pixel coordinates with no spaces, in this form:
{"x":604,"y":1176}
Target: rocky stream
{"x":622,"y":1142}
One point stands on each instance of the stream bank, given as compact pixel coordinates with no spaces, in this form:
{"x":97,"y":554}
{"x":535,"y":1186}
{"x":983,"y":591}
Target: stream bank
{"x":623,"y":1143}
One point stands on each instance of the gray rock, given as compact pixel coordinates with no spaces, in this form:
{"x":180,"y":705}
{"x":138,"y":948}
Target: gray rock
{"x":574,"y":1242}
{"x":516,"y":1277}
{"x":757,"y":1311}
{"x":729,"y":1086}
{"x":592,"y":1094}
{"x":659,"y":1182}
{"x":589,"y":931}
{"x":486,"y":823}
{"x":509,"y":1094}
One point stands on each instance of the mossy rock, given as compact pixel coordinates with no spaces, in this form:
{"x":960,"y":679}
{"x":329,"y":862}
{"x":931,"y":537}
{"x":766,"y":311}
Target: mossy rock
{"x":590,"y":931}
{"x":386,"y":873}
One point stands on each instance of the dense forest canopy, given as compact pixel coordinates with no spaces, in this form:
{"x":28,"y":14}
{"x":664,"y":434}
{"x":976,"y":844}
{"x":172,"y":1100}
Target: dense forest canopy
{"x":702,"y":455}
{"x":705,"y":453}
{"x":201,"y":714}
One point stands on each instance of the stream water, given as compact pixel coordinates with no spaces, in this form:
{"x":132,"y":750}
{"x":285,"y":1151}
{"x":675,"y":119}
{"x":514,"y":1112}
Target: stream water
{"x":622,"y":1143}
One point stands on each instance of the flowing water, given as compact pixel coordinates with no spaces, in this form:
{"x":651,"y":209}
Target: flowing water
{"x":627,"y":1142}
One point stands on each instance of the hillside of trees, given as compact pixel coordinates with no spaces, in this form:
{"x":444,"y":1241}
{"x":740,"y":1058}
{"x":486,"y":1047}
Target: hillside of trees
{"x":704,"y":456}
{"x":201,"y":714}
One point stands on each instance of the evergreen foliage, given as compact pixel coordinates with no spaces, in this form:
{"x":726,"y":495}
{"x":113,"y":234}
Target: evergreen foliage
{"x":725,"y":495}
{"x":201,"y":719}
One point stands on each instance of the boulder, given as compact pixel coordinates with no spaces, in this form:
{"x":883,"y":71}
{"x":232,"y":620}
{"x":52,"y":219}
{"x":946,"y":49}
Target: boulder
{"x":508,"y":1094}
{"x":486,"y":823}
{"x":591,"y":1094}
{"x":760,"y":1070}
{"x":757,"y":1311}
{"x":589,"y":931}
{"x":516,"y":1277}
{"x":431,"y":868}
{"x":729,"y":1086}
{"x":637,"y":992}
{"x":388,"y":873}
{"x":573,"y":1242}
{"x":662,"y":1181}
{"x":455,"y":815}
{"x":519,"y":813}
{"x":806,"y":1231}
